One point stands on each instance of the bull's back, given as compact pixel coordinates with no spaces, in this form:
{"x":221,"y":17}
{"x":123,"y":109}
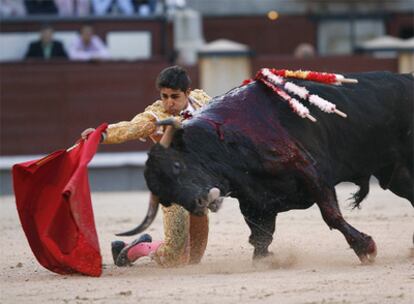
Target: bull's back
{"x":377,"y":131}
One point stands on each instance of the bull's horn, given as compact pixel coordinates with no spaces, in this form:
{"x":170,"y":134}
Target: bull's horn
{"x":172,"y":124}
{"x":149,"y":218}
{"x":167,"y":137}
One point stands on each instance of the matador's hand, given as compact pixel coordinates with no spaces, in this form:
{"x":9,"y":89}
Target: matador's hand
{"x":86,"y":133}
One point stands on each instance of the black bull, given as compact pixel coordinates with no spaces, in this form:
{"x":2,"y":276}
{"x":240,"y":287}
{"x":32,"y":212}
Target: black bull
{"x":250,"y":144}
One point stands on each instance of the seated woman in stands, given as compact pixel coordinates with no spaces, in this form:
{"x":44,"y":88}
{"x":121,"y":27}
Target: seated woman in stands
{"x":88,"y":46}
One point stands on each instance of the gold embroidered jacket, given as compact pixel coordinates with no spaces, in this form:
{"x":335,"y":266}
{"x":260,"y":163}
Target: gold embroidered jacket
{"x":143,"y":125}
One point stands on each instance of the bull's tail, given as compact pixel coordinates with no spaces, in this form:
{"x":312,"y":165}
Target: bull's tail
{"x":362,"y":193}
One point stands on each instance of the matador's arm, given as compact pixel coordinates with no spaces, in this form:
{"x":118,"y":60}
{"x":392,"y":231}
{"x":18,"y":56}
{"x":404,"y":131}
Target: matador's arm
{"x":140,"y":127}
{"x":143,"y":125}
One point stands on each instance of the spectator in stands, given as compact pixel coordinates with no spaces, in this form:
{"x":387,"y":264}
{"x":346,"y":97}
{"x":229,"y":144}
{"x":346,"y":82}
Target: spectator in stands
{"x":73,"y":7}
{"x":40,"y":7}
{"x":12,"y":8}
{"x":176,"y":3}
{"x":145,"y":7}
{"x":103,"y":7}
{"x":46,"y":48}
{"x":169,"y":7}
{"x":88,"y":46}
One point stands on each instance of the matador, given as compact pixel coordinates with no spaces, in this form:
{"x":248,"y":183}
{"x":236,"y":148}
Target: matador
{"x":185,"y":235}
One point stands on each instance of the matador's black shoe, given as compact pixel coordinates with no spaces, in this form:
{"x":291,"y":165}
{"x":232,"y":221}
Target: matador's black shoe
{"x":118,"y":246}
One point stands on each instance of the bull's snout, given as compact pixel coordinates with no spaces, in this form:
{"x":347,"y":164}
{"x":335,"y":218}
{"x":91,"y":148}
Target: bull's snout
{"x":216,"y":204}
{"x":213,"y":194}
{"x":201,"y":203}
{"x":213,"y":202}
{"x":200,"y":207}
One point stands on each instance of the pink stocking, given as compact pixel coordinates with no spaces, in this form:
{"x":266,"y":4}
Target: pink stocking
{"x":142,"y":249}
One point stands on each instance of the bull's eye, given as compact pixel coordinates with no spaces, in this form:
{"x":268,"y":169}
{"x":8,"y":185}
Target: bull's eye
{"x":176,"y":168}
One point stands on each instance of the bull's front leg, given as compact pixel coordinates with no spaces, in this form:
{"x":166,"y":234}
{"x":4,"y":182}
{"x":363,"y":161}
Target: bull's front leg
{"x":262,"y":226}
{"x":363,"y":245}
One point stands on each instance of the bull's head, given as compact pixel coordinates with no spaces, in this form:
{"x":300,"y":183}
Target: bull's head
{"x":174,"y":176}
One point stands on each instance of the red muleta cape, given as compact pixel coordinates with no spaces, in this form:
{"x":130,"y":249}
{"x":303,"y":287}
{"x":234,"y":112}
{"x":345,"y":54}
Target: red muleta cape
{"x":54,"y":205}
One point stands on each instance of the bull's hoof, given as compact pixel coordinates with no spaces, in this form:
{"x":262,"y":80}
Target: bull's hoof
{"x":263,"y":262}
{"x":260,"y":253}
{"x":367,"y":259}
{"x":368,"y":254}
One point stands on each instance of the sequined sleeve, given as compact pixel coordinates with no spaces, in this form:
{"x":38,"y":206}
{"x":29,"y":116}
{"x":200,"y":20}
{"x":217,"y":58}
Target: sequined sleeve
{"x":143,"y":125}
{"x":200,"y":97}
{"x":140,"y":127}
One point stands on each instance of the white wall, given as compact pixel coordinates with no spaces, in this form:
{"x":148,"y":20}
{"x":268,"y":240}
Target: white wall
{"x":129,"y":45}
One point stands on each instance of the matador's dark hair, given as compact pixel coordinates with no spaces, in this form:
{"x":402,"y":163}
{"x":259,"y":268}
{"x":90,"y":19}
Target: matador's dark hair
{"x":174,"y":77}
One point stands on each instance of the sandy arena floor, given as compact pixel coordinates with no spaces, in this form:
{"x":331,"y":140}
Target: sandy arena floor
{"x":311,"y":264}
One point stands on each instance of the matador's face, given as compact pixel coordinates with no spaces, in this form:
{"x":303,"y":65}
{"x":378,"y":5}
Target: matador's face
{"x":174,"y":101}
